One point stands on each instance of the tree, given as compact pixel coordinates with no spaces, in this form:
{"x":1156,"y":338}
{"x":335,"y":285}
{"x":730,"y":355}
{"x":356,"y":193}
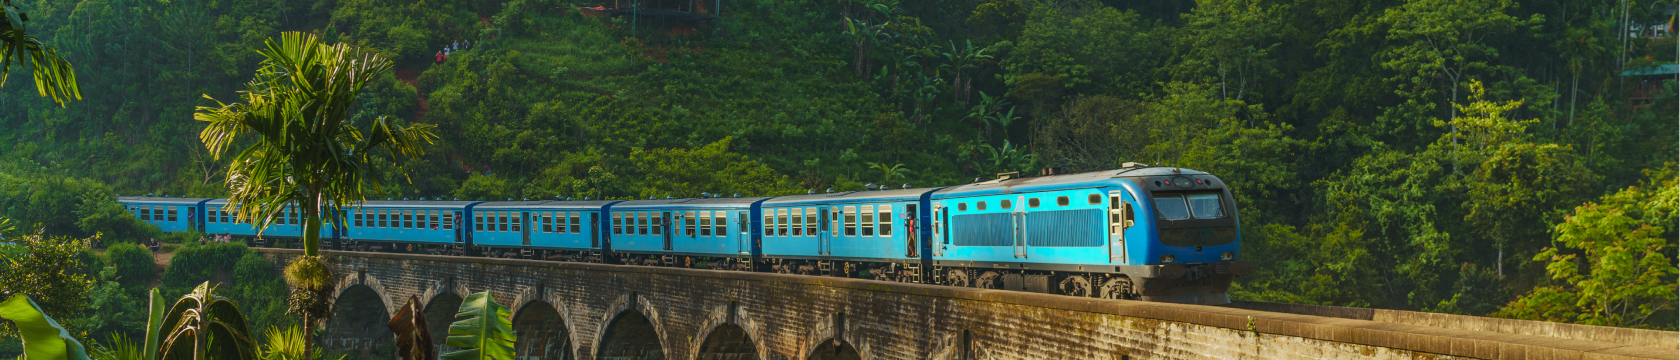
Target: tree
{"x":53,"y":75}
{"x":1230,"y":41}
{"x":1611,"y":262}
{"x":1446,"y":40}
{"x":305,"y":152}
{"x":48,"y":268}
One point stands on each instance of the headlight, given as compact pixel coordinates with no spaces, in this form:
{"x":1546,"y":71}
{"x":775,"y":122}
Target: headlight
{"x":1168,"y":259}
{"x":1227,"y":256}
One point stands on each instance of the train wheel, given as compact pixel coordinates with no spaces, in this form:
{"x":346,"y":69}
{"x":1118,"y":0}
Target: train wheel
{"x":988,"y":280}
{"x":956,"y":277}
{"x":1117,"y":288}
{"x":1076,"y":285}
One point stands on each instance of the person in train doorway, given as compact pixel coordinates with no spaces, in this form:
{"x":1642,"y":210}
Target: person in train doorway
{"x":909,"y":235}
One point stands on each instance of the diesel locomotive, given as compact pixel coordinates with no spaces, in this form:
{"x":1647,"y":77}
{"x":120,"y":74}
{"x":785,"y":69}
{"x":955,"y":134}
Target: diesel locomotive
{"x":1138,"y":232}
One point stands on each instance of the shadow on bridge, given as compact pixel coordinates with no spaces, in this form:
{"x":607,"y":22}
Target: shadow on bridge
{"x":542,"y":333}
{"x":832,"y":351}
{"x":630,"y":337}
{"x":728,"y":342}
{"x":358,"y":326}
{"x":440,"y":312}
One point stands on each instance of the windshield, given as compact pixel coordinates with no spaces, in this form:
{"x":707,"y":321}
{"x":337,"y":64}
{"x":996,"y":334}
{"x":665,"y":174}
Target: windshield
{"x":1205,"y":205}
{"x":1171,"y":207}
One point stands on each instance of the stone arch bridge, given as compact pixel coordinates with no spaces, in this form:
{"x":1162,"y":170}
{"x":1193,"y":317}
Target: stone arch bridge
{"x":593,"y":311}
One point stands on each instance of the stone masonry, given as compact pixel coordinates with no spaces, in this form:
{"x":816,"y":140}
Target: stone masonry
{"x":593,"y":311}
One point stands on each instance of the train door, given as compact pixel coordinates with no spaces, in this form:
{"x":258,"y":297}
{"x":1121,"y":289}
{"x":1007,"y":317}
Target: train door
{"x":524,"y":225}
{"x":745,"y":224}
{"x":1019,"y":225}
{"x":1119,"y":218}
{"x":825,"y":236}
{"x":938,"y":230}
{"x":595,"y":230}
{"x":910,"y":238}
{"x":664,"y":222}
{"x":456,"y":223}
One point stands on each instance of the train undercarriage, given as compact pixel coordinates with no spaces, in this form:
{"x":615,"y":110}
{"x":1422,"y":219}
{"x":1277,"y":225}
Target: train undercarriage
{"x":1189,"y":283}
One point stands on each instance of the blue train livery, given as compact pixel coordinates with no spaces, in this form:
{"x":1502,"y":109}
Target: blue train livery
{"x":1139,"y":232}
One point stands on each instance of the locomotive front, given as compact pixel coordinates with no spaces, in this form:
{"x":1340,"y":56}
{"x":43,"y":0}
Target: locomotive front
{"x":1195,"y":232}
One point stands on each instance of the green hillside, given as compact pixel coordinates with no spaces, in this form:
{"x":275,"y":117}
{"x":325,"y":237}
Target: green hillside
{"x":1422,"y":154}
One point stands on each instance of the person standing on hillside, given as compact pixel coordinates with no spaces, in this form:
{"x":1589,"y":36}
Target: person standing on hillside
{"x":440,"y":57}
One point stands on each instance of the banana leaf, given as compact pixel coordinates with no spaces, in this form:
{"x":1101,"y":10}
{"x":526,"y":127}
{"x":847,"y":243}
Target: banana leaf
{"x":43,"y":338}
{"x":483,"y":328}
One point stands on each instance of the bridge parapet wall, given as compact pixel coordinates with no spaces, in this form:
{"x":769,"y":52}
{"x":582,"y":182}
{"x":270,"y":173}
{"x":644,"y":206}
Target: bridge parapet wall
{"x":794,"y":317}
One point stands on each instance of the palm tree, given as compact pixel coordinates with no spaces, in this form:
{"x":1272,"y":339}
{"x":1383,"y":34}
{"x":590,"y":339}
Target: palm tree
{"x":304,"y":151}
{"x":53,"y":76}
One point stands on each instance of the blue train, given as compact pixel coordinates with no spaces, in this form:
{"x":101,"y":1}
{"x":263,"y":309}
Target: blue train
{"x":1076,"y":234}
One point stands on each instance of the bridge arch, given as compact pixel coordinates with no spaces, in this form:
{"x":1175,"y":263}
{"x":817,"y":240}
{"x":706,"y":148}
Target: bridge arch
{"x":630,"y":329}
{"x":358,"y":324}
{"x":543,"y":332}
{"x":726,"y":323}
{"x":361,"y":278}
{"x":440,"y":312}
{"x":834,"y":338}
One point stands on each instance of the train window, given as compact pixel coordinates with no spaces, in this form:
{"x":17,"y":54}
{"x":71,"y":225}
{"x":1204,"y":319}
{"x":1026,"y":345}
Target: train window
{"x":850,"y":216}
{"x":833,"y":224}
{"x":658,"y":223}
{"x":172,"y":210}
{"x":886,"y":219}
{"x":577,"y":224}
{"x":798,"y":217}
{"x":146,"y":213}
{"x":1205,"y":205}
{"x":212,"y":217}
{"x":377,"y":215}
{"x":357,"y":216}
{"x":720,"y":223}
{"x":1032,"y":202}
{"x":435,"y":220}
{"x":1128,"y":214}
{"x":980,"y":205}
{"x":1094,"y":199}
{"x":449,"y":220}
{"x":688,"y":223}
{"x":1006,"y":204}
{"x":811,"y":221}
{"x":502,"y":221}
{"x":743,"y":226}
{"x":641,"y":223}
{"x":781,"y":222}
{"x":867,"y":218}
{"x":768,"y":227}
{"x":1171,"y":207}
{"x":618,"y":224}
{"x":560,"y":222}
{"x":515,"y":220}
{"x":408,"y":219}
{"x":1061,"y":201}
{"x":705,"y":223}
{"x":546,"y":219}
{"x":962,"y":206}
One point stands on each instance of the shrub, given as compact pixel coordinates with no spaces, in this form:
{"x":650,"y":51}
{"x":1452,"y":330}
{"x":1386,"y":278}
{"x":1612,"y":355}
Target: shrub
{"x":134,"y":263}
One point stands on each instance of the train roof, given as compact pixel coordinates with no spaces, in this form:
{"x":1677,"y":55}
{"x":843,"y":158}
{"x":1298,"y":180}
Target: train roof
{"x":690,"y":203}
{"x":1055,"y":182}
{"x":851,"y":197}
{"x":546,"y":203}
{"x":150,"y":199}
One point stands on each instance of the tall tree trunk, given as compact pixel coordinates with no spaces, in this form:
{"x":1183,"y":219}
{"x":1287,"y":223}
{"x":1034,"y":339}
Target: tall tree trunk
{"x":308,"y":338}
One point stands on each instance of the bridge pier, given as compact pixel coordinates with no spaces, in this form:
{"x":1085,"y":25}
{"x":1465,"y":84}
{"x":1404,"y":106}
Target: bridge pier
{"x":358,"y":325}
{"x":592,"y":311}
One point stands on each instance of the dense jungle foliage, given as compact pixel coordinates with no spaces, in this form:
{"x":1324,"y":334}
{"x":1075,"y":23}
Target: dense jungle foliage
{"x":1479,"y":157}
